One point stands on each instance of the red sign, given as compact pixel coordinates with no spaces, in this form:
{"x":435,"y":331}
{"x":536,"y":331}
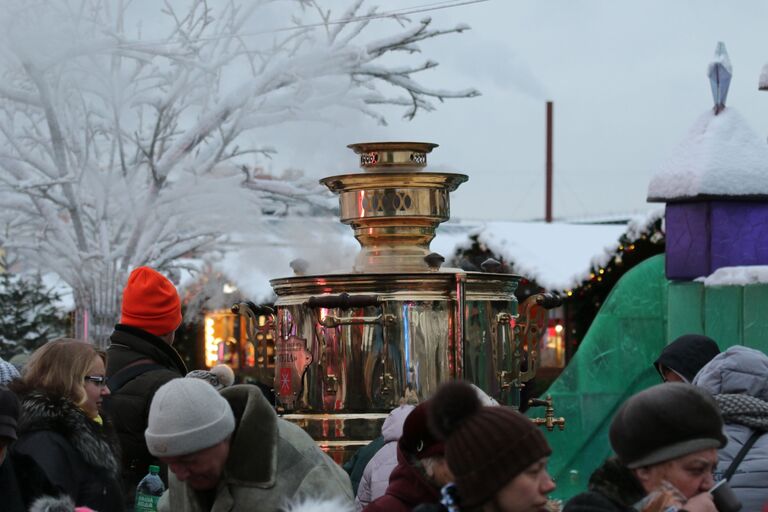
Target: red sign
{"x":291,"y":362}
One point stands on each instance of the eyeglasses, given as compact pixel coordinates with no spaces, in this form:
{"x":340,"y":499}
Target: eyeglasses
{"x":100,"y":380}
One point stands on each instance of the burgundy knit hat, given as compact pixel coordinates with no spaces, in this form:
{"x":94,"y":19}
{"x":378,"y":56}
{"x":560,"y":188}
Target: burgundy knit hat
{"x":150,"y":302}
{"x":417,"y":438}
{"x":485,"y":446}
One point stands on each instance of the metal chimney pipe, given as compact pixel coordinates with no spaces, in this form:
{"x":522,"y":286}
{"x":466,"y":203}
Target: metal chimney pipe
{"x":548,"y":212}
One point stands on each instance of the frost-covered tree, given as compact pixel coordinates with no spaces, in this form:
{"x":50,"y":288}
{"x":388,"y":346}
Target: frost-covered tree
{"x":125,"y":126}
{"x":28,"y":314}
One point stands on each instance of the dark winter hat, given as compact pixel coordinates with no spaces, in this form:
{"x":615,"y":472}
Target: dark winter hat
{"x":9,"y":413}
{"x":485,"y":446}
{"x":665,"y":422}
{"x":150,"y":302}
{"x":417,"y":438}
{"x":687,"y":354}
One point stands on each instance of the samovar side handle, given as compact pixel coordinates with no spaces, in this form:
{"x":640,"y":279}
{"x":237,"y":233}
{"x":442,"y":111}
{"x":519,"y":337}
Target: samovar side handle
{"x":529,"y":325}
{"x":343,"y":301}
{"x":252,"y":312}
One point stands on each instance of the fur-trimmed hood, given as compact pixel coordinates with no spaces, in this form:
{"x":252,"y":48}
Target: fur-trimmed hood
{"x":319,"y":505}
{"x":41,"y":411}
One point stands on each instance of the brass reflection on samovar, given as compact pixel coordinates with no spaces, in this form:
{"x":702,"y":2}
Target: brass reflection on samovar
{"x":351,"y":345}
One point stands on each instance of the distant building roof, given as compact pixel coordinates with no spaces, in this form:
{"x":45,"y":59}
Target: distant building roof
{"x":559,"y":256}
{"x":722,"y":157}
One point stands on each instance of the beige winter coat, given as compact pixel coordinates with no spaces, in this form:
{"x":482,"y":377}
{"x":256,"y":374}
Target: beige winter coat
{"x":271,"y":462}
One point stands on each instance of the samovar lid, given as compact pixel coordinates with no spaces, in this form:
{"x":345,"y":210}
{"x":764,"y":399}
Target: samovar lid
{"x":392,"y":156}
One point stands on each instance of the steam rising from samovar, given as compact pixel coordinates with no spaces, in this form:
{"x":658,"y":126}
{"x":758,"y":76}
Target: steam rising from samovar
{"x":350,"y":346}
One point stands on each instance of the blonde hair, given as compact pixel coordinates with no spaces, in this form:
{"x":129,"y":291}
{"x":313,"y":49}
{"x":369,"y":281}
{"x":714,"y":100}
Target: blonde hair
{"x":59,"y":367}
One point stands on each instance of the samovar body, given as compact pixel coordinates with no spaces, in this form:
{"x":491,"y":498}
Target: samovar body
{"x":395,"y":340}
{"x":351,"y":345}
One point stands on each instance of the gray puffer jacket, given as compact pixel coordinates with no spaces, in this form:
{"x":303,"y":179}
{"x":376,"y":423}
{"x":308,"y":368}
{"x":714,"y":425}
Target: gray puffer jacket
{"x":733,"y":377}
{"x":376,"y":474}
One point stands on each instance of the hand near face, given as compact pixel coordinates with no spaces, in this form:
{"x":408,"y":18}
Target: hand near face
{"x":701,"y":503}
{"x":660,"y":501}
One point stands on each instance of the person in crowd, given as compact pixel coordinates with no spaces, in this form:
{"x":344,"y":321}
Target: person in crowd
{"x":421,"y":467}
{"x":684,"y":357}
{"x":140,"y":359}
{"x":738,"y":379}
{"x":220,"y":376}
{"x":8,"y":372}
{"x":496,"y":455}
{"x":356,"y":465}
{"x":375,"y":477}
{"x":213,"y":466}
{"x":61,"y":427}
{"x":21,"y":479}
{"x":19,"y":361}
{"x":666,"y":440}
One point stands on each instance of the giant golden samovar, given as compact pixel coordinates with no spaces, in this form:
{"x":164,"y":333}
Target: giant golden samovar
{"x":351,"y":345}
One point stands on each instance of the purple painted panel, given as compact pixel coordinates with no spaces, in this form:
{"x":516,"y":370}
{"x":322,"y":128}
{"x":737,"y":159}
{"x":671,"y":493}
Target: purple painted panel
{"x":687,"y":226}
{"x":739,"y":234}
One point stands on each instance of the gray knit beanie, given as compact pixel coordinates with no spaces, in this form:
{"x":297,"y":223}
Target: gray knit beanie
{"x":186,"y":416}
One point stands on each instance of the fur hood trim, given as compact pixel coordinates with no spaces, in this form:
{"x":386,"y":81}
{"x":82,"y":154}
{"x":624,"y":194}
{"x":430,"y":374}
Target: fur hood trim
{"x":614,"y":481}
{"x":42,"y":411}
{"x":53,"y":504}
{"x":320,"y":505}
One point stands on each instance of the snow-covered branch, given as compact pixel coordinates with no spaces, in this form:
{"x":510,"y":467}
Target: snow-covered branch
{"x":125,"y":143}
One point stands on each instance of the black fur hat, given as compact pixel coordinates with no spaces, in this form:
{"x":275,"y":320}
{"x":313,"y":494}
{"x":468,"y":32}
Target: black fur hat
{"x":485,"y":446}
{"x":686,"y":355}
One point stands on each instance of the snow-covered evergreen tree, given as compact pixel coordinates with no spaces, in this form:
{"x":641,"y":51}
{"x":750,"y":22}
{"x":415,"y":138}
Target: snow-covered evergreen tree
{"x":126,"y":126}
{"x":28,"y":314}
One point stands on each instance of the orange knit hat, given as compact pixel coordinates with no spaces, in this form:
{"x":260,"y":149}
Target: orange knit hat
{"x":150,"y":302}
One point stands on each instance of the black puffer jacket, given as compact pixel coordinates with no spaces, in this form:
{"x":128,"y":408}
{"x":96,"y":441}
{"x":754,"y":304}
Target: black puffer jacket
{"x":612,"y":488}
{"x":129,"y":406}
{"x":22,"y":482}
{"x":76,"y":454}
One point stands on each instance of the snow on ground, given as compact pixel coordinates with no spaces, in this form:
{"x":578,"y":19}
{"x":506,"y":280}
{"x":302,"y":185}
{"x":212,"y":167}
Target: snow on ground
{"x":737,"y":276}
{"x":721,"y":156}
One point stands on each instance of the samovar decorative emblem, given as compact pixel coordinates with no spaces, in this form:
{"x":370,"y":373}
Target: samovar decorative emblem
{"x":291,"y":362}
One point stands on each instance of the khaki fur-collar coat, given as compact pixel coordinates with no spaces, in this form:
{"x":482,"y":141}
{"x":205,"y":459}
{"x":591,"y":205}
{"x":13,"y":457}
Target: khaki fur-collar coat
{"x":271,"y":462}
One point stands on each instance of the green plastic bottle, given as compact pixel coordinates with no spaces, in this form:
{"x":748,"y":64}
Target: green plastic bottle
{"x":149,"y":490}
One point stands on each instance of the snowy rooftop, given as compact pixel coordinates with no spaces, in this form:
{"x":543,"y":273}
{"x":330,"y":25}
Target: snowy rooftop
{"x":721,"y":156}
{"x":737,"y":276}
{"x":558,"y":255}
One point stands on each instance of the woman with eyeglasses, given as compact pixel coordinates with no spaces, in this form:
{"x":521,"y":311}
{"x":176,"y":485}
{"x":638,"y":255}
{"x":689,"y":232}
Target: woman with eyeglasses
{"x":60,"y":425}
{"x":666,"y":439}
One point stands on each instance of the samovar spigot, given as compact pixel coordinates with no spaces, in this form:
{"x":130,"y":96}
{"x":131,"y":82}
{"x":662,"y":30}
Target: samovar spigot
{"x":549,"y":419}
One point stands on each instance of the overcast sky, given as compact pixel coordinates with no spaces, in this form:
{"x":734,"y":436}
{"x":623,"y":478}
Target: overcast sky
{"x":628,"y":80}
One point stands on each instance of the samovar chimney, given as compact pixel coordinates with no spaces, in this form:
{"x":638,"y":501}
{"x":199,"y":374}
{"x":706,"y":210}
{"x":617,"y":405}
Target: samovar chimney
{"x":394,"y":206}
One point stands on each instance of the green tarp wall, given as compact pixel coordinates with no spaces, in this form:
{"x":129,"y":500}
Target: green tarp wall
{"x":641,"y":314}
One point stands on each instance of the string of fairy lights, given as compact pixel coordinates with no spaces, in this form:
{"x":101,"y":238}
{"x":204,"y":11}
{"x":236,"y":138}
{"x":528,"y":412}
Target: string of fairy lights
{"x":651,"y":239}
